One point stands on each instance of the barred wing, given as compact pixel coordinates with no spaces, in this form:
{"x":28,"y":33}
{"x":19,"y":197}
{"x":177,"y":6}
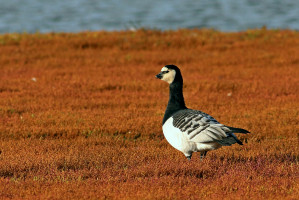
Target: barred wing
{"x":201,"y":127}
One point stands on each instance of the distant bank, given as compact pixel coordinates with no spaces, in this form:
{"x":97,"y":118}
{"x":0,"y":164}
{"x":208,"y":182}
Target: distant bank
{"x":82,"y":15}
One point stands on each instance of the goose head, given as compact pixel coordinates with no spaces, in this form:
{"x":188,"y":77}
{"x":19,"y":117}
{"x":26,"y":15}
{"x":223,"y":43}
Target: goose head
{"x":170,"y":74}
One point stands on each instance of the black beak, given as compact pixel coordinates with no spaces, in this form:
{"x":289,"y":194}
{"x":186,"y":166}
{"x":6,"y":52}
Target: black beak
{"x":159,"y":76}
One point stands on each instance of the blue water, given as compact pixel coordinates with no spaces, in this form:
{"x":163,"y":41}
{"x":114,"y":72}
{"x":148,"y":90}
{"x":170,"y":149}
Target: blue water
{"x":82,"y":15}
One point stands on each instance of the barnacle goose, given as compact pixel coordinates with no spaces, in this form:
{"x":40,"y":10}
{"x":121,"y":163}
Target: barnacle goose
{"x":190,"y":130}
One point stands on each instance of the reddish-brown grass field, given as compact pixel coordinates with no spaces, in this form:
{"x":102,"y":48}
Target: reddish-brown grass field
{"x":81,"y":114}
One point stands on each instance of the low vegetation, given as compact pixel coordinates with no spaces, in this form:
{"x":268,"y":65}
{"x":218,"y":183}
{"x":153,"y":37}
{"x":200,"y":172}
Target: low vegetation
{"x":81,"y":114}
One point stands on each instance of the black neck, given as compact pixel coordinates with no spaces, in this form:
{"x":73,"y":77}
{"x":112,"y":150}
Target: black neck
{"x":176,"y":100}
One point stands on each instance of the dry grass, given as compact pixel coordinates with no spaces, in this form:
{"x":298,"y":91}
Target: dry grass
{"x":80,"y":114}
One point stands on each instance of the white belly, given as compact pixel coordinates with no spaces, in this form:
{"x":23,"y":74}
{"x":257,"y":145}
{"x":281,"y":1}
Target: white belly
{"x":175,"y":137}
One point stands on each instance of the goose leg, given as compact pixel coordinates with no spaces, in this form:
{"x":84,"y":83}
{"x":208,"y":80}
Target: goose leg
{"x":203,"y":155}
{"x":189,"y":157}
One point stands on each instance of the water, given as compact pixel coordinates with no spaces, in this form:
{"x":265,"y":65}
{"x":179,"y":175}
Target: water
{"x":83,"y":15}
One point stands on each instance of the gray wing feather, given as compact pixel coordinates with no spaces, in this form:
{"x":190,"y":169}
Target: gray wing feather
{"x":201,"y":127}
{"x":209,"y":134}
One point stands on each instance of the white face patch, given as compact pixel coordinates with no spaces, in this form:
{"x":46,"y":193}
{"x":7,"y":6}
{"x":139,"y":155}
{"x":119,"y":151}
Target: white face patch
{"x":168,"y":75}
{"x":164,"y":69}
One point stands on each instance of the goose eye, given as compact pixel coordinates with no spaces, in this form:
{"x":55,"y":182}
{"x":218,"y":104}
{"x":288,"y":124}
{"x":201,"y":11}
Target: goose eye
{"x":165,"y":72}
